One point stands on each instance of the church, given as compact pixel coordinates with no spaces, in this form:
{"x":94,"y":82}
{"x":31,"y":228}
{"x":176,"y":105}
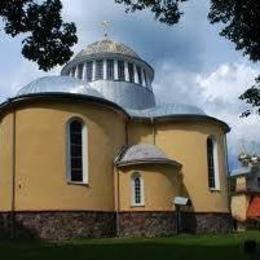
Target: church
{"x":91,"y":154}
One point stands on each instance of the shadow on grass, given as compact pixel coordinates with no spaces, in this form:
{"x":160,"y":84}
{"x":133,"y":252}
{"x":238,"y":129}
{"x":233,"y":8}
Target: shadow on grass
{"x":127,"y":251}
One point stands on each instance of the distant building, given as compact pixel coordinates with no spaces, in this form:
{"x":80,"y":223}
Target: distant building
{"x":245,"y":193}
{"x":91,"y":154}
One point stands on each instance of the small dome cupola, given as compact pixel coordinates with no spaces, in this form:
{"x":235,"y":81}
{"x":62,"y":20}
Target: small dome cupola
{"x":116,"y":71}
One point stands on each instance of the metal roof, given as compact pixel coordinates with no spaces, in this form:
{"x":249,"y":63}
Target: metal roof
{"x":143,"y":154}
{"x":241,"y":171}
{"x":58,"y":84}
{"x":125,"y":94}
{"x":166,"y":110}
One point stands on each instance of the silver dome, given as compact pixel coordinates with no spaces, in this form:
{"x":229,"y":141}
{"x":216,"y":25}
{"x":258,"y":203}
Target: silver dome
{"x":60,"y":84}
{"x":125,"y":94}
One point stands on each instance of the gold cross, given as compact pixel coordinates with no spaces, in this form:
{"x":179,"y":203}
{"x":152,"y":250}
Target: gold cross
{"x":105,"y":26}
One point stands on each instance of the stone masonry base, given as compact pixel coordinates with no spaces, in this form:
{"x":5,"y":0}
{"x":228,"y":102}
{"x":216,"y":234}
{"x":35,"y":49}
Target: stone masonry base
{"x":91,"y":224}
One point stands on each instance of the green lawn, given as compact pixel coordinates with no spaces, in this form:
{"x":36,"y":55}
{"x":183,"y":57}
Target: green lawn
{"x":192,"y":247}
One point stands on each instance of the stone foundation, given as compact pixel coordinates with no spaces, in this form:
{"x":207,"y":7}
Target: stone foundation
{"x":58,"y":225}
{"x":206,"y":223}
{"x":88,"y":224}
{"x":151,"y":224}
{"x":147,"y":224}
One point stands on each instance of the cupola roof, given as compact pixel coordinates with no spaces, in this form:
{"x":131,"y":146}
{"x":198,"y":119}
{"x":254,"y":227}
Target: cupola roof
{"x":143,"y":154}
{"x":107,"y":46}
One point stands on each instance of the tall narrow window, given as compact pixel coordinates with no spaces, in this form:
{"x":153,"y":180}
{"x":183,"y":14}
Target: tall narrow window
{"x":137,"y":190}
{"x":73,"y":72}
{"x":213,"y":175}
{"x":121,"y":70}
{"x":89,"y":70}
{"x":131,"y":72}
{"x":77,"y":151}
{"x":99,"y":69}
{"x":110,"y":69}
{"x":145,"y":79}
{"x":80,"y":71}
{"x":139,"y":74}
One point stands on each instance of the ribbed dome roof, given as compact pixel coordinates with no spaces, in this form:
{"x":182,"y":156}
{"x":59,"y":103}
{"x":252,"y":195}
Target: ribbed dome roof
{"x":61,"y":84}
{"x":107,"y":46}
{"x":143,"y":154}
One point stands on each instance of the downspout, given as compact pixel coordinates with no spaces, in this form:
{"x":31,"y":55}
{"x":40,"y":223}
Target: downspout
{"x":227,"y":171}
{"x":153,"y":130}
{"x":118,"y":186}
{"x":118,"y":206}
{"x":13,"y":170}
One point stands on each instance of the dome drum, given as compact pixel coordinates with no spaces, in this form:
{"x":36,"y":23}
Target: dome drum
{"x":110,"y":66}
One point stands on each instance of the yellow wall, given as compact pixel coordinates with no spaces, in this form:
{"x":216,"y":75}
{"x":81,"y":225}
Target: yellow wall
{"x":6,"y":156}
{"x":41,"y":182}
{"x":160,"y":187}
{"x":140,"y":132}
{"x":239,"y":205}
{"x":185,"y":142}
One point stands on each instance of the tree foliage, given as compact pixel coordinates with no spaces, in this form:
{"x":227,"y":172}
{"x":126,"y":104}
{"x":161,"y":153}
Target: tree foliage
{"x":48,"y":40}
{"x":166,"y":11}
{"x":242,"y":27}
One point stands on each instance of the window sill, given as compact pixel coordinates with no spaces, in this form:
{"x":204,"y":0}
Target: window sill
{"x":215,"y":190}
{"x":137,"y":206}
{"x":78,"y":183}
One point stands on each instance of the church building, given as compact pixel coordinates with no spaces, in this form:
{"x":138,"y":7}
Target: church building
{"x":90,"y":153}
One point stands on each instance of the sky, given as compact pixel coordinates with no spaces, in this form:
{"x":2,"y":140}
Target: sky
{"x":193,"y":64}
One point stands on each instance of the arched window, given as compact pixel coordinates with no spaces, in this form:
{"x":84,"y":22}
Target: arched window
{"x":137,"y":190}
{"x":212,"y":156}
{"x":77,"y":151}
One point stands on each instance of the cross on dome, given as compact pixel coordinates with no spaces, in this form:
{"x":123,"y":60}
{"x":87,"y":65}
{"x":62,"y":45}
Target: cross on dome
{"x":106,"y":25}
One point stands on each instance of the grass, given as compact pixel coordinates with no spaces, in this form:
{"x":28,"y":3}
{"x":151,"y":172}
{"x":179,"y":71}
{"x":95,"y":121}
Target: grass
{"x":192,"y":247}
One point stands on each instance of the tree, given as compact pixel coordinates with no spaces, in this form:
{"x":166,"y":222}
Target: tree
{"x":48,"y":40}
{"x":241,"y":20}
{"x":166,"y":11}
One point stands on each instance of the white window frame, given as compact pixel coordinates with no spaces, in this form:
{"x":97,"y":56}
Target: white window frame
{"x":133,"y":194}
{"x":85,"y":177}
{"x":215,"y":164}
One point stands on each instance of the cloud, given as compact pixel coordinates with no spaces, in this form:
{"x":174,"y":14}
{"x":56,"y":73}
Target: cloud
{"x":217,"y":94}
{"x":193,"y":64}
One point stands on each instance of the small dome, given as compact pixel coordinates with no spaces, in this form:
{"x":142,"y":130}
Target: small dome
{"x":61,"y":84}
{"x":107,"y":46}
{"x":143,"y":154}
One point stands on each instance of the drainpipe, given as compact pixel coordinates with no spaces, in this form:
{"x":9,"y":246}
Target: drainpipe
{"x":117,"y":206}
{"x":227,"y":171}
{"x":118,"y":186}
{"x":13,"y":169}
{"x":153,"y":130}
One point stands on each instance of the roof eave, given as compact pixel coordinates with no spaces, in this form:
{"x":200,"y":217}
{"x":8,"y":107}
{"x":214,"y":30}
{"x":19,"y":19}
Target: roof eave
{"x":148,"y":161}
{"x":183,"y":117}
{"x":59,"y":95}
